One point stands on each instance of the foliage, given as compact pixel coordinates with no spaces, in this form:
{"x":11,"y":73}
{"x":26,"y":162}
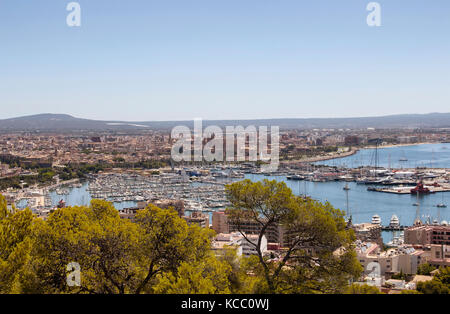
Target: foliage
{"x":362,"y":289}
{"x":425,"y":269}
{"x":205,"y":276}
{"x":432,"y":287}
{"x":115,"y":255}
{"x":158,"y":252}
{"x":244,"y":277}
{"x":319,"y":257}
{"x":166,"y":241}
{"x":400,"y":275}
{"x":15,"y":245}
{"x":440,"y":284}
{"x":410,"y":292}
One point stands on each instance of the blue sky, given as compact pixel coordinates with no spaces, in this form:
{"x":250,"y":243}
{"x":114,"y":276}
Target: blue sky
{"x":223,"y":59}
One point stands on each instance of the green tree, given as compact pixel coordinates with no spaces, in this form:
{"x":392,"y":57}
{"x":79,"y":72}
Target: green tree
{"x":410,"y":292}
{"x":362,"y":289}
{"x":115,"y":255}
{"x":400,"y":275}
{"x":205,"y":276}
{"x":425,"y":269}
{"x":432,"y":287}
{"x":96,"y":238}
{"x":243,"y":278}
{"x":166,"y":241}
{"x":440,"y":284}
{"x":444,"y":276}
{"x":15,"y":246}
{"x":318,"y":256}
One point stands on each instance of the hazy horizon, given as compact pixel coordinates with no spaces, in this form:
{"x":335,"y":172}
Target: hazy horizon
{"x":223,"y":60}
{"x":250,"y":119}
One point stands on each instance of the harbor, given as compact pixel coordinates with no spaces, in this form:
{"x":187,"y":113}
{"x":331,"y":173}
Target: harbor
{"x":408,"y":193}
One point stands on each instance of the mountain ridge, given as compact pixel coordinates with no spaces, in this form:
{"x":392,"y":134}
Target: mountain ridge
{"x":66,"y":122}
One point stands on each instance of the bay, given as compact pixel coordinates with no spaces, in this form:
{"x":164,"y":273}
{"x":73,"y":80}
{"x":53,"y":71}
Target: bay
{"x":423,"y":155}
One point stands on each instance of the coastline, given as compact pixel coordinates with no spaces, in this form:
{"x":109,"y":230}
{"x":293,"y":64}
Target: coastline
{"x":399,"y":145}
{"x":350,"y":153}
{"x":323,"y":158}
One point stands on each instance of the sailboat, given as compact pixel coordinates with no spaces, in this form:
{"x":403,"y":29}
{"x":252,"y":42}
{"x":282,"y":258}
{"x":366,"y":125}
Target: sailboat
{"x":403,"y":158}
{"x":417,"y":203}
{"x":442,"y":205}
{"x":349,"y":215}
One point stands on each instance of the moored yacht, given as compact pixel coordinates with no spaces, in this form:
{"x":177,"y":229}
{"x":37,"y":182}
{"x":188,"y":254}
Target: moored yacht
{"x":394,"y":221}
{"x":376,"y":220}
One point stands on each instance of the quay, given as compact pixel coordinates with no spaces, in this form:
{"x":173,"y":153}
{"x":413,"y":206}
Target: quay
{"x":393,"y":228}
{"x":407,"y":190}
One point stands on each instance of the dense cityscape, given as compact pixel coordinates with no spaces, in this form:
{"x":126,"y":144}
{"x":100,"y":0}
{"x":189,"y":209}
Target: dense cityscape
{"x":224,"y":156}
{"x":47,"y":172}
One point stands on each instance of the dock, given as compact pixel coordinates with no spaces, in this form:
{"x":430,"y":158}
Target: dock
{"x":407,"y":189}
{"x":393,"y":228}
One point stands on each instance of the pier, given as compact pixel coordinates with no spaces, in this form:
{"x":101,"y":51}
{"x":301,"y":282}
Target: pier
{"x":407,"y":190}
{"x":393,"y":228}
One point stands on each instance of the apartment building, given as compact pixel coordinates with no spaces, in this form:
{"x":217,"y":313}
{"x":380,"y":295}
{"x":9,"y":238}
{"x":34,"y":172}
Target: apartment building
{"x":439,"y":255}
{"x":221,"y":224}
{"x":376,"y":262}
{"x":368,"y":232}
{"x":428,"y":234}
{"x":198,"y":218}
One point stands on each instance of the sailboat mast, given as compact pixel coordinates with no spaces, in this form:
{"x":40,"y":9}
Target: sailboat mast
{"x":418,"y":209}
{"x":376,"y":158}
{"x":348,"y":208}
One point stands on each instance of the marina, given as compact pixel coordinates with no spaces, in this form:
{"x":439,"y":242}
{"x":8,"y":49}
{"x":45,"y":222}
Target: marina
{"x":406,"y":193}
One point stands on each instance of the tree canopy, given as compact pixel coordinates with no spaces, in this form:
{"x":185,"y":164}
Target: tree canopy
{"x":440,"y":284}
{"x":115,"y":255}
{"x":318,"y":257}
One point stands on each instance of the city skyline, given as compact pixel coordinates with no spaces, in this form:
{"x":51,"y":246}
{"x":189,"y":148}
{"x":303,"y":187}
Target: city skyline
{"x":153,"y":61}
{"x":213,"y":154}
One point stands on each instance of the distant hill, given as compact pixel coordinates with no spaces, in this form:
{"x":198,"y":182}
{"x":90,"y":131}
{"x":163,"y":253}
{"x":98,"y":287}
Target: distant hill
{"x":62,"y":122}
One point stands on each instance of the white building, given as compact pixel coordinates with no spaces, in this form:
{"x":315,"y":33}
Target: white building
{"x":250,"y":248}
{"x":237,"y":240}
{"x":228,"y":240}
{"x":376,"y":263}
